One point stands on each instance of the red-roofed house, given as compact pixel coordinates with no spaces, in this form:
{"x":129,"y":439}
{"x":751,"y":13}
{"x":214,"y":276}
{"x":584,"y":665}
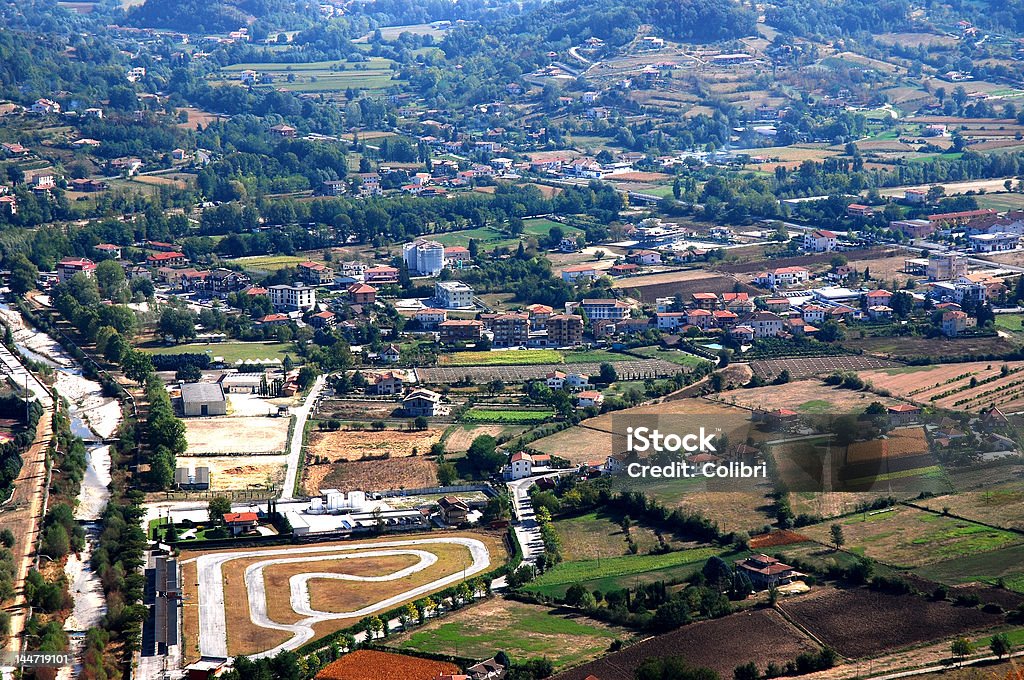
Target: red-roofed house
{"x":241,"y":522}
{"x":766,"y":572}
{"x":70,"y":266}
{"x":820,"y":241}
{"x":168,"y":259}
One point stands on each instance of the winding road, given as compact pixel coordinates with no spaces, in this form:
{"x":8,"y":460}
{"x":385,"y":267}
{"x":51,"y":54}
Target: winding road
{"x":212,"y":618}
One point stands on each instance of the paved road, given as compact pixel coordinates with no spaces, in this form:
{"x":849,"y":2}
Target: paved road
{"x":295,"y":448}
{"x":527,"y":530}
{"x":212,"y":618}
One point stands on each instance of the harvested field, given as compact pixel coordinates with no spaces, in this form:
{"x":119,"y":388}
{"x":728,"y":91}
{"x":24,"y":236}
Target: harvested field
{"x":806,"y":367}
{"x":225,"y":434}
{"x":766,"y":636}
{"x":1001,"y":504}
{"x":953,"y":187}
{"x":906,"y":348}
{"x":347,"y":409}
{"x":906,"y":441}
{"x":463,"y":435}
{"x":821,"y":261}
{"x":906,"y":537}
{"x":639,"y":369}
{"x":369,"y":664}
{"x":804,"y":396}
{"x":580,"y":444}
{"x":522,"y":630}
{"x":861,"y":622}
{"x":229,"y":473}
{"x":776,"y":538}
{"x":949,"y":385}
{"x":884,"y":269}
{"x":370,"y":475}
{"x":352,"y":445}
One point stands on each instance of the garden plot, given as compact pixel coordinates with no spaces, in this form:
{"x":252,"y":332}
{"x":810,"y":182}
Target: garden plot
{"x":969,"y":386}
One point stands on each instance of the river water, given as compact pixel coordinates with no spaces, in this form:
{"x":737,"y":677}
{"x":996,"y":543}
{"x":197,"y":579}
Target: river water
{"x":94,"y":417}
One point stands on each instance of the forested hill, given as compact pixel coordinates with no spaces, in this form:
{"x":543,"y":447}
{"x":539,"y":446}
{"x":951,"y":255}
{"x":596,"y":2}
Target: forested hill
{"x":558,"y":25}
{"x":218,"y":16}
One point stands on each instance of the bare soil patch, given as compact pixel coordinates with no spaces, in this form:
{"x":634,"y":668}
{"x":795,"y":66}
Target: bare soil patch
{"x":229,"y":473}
{"x":242,"y":435}
{"x":863,"y":622}
{"x":351,"y":445}
{"x":371,"y":475}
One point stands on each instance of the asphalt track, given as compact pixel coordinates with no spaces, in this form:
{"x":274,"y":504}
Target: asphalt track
{"x":212,"y":618}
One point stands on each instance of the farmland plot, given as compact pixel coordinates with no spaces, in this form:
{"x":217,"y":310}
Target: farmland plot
{"x":861,"y":622}
{"x":969,"y":386}
{"x":806,"y":367}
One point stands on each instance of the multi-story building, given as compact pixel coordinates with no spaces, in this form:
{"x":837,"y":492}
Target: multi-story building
{"x":511,"y":330}
{"x":316,"y":273}
{"x":565,"y":330}
{"x":614,"y":310}
{"x":362,"y":294}
{"x":70,"y":266}
{"x":292,"y":297}
{"x":944,"y":267}
{"x":453,"y":294}
{"x":460,"y":330}
{"x":765,"y":324}
{"x":166,"y":259}
{"x":783,"y":276}
{"x":422,"y":257}
{"x":820,"y":241}
{"x":382,"y":275}
{"x":431,"y":318}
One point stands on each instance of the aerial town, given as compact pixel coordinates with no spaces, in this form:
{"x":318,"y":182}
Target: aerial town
{"x":482,"y":340}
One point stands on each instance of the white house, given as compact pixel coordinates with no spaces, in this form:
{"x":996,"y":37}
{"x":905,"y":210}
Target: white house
{"x":765,"y":324}
{"x":820,"y":241}
{"x":589,"y":398}
{"x":783,"y":276}
{"x":520,"y":466}
{"x":580,"y":271}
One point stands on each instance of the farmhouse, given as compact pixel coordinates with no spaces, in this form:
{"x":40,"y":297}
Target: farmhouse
{"x":241,"y":522}
{"x":579,"y":272}
{"x":589,"y":398}
{"x":203,"y":399}
{"x":903,"y":414}
{"x":454,"y":511}
{"x":520,"y":466}
{"x":766,"y":572}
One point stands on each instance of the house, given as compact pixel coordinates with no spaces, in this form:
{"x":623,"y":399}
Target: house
{"x":743,"y":333}
{"x":391,"y":354}
{"x":568,"y":244}
{"x":723,"y":318}
{"x":391,"y":382}
{"x":454,"y":511}
{"x":333,"y":187}
{"x":420,"y":402}
{"x":589,"y":398}
{"x":45,"y":106}
{"x":765,"y":324}
{"x":701,"y":318}
{"x":913,"y":228}
{"x":782,"y":277}
{"x":520,"y":466}
{"x":430,"y":318}
{"x":70,"y":266}
{"x":738,"y":302}
{"x":273,"y":320}
{"x":859,"y":210}
{"x":316,"y":273}
{"x":644,"y":257}
{"x":954,"y":323}
{"x":324,"y":319}
{"x":623,"y":269}
{"x":172,"y":259}
{"x":915,"y":196}
{"x":88,"y":186}
{"x":126,"y":166}
{"x":9,"y":204}
{"x":539,"y":316}
{"x":670,"y":321}
{"x":457,"y":257}
{"x":879,"y":312}
{"x":297,"y":297}
{"x":555,"y":380}
{"x":282,"y":130}
{"x":12,"y":149}
{"x":766,"y":572}
{"x":241,"y":522}
{"x":579,"y":272}
{"x":814,"y":313}
{"x":487,"y":670}
{"x":820,"y":241}
{"x":878,"y":297}
{"x":381,"y":275}
{"x":178,"y":155}
{"x":93,"y":112}
{"x":109,"y":250}
{"x":362,"y":294}
{"x":704,"y":300}
{"x":453,"y":294}
{"x":460,"y":330}
{"x":776,"y":304}
{"x":203,"y":399}
{"x":903,"y":414}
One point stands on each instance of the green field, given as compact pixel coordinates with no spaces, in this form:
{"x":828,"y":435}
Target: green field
{"x":673,"y":356}
{"x":987,"y":567}
{"x":523,"y":357}
{"x":1010,"y":322}
{"x":231,"y":351}
{"x":323,"y":76}
{"x":540,"y":227}
{"x":511,"y":416}
{"x":595,"y":356}
{"x":1001,"y":202}
{"x":618,"y":572}
{"x":522,"y":630}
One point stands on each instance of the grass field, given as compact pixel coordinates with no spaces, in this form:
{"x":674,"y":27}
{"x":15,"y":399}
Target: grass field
{"x":1001,"y":202}
{"x":522,"y":630}
{"x":595,"y":356}
{"x":617,"y":572}
{"x":323,"y":76}
{"x":510,"y":416}
{"x":1010,"y":322}
{"x":527,"y":357}
{"x":540,"y":227}
{"x":990,"y":567}
{"x":674,"y":356}
{"x":231,"y":351}
{"x":907,"y":538}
